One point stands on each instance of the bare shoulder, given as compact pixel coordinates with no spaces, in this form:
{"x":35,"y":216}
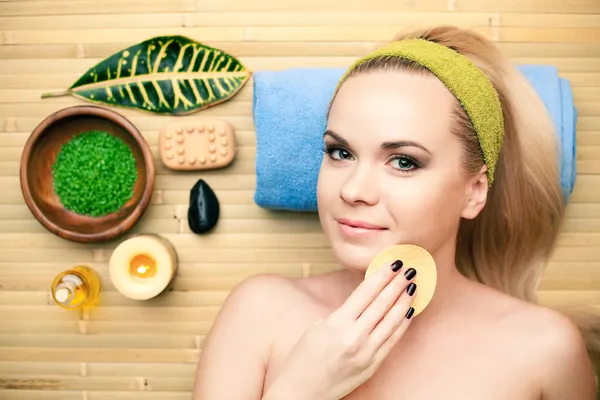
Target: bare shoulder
{"x":264,"y":295}
{"x":272,"y":298}
{"x":546,"y":329}
{"x":537,"y":327}
{"x":239,"y":342}
{"x":263,"y":288}
{"x":561,"y":354}
{"x":554,"y":345}
{"x":252,"y":306}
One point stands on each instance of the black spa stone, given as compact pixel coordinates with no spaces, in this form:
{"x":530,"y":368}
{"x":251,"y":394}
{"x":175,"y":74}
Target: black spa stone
{"x":203,"y":213}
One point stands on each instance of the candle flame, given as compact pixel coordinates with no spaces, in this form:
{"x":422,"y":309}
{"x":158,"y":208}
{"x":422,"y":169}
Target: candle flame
{"x":142,"y":266}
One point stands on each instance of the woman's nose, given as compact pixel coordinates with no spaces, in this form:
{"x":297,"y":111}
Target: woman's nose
{"x":360,"y":186}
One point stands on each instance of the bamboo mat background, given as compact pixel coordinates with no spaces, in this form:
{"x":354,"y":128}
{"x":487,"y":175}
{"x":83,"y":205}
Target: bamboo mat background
{"x":129,"y":350}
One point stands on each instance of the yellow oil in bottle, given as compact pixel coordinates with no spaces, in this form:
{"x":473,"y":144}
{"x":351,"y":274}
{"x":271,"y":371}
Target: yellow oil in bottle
{"x":76,"y":287}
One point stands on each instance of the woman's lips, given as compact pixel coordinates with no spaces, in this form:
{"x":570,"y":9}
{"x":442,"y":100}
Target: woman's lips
{"x":352,"y":228}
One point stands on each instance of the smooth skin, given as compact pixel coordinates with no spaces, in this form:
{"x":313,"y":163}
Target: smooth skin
{"x":390,"y":161}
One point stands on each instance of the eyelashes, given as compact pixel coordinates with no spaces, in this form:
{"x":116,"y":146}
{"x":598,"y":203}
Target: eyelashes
{"x":405,"y":163}
{"x":331,"y":149}
{"x":399,"y":162}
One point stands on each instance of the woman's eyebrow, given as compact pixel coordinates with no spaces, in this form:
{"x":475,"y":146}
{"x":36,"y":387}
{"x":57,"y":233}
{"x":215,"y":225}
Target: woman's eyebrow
{"x":402,"y":143}
{"x":384,"y":145}
{"x":336,"y":137}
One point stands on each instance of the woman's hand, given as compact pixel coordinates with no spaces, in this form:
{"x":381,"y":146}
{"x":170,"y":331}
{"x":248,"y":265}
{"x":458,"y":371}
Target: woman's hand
{"x":344,"y":350}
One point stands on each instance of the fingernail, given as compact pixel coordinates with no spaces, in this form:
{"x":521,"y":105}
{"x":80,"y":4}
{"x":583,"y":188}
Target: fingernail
{"x":410,"y":313}
{"x":411,"y":289}
{"x":410,"y":273}
{"x":397,"y":265}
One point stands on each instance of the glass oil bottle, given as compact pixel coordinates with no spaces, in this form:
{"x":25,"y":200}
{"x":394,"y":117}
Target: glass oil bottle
{"x":77,"y":287}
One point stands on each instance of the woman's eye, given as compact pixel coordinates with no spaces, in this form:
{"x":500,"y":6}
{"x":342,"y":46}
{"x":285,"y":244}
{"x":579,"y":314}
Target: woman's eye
{"x":340,"y":154}
{"x":404,"y":164}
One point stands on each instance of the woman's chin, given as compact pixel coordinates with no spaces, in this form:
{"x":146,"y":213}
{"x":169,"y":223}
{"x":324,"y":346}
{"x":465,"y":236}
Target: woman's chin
{"x":356,"y":258}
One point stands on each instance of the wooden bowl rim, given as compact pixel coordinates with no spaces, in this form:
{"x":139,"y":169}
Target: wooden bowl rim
{"x":137,"y":212}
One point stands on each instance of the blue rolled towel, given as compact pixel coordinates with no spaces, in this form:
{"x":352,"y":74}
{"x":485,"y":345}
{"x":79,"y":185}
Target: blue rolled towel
{"x":557,"y":96}
{"x":568,"y":139}
{"x":289,"y":110}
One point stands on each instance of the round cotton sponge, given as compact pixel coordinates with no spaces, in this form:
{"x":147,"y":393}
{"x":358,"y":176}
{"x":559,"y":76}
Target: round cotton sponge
{"x":412,"y":256}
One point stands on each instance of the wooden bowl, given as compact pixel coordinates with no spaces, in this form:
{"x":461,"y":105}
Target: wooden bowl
{"x":37,"y":183}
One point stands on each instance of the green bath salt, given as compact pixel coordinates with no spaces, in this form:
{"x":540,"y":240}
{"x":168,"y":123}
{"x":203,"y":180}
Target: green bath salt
{"x":94,"y":174}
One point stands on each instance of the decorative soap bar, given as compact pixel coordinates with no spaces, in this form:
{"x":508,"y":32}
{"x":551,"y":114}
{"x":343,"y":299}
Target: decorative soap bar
{"x":203,"y":213}
{"x":197,"y":145}
{"x":143,"y":266}
{"x":412,"y":256}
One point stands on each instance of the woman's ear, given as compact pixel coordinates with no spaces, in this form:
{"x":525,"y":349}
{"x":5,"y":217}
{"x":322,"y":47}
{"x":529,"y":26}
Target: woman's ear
{"x":476,"y":194}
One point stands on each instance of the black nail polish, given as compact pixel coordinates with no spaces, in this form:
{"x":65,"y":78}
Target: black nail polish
{"x":397,"y":265}
{"x":410,"y":313}
{"x":411,"y":289}
{"x":410,"y":273}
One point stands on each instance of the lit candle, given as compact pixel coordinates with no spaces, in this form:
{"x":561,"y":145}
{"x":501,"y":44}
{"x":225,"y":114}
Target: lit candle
{"x":143,"y":266}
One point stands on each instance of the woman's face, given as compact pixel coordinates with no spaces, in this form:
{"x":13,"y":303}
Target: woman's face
{"x":392,"y":170}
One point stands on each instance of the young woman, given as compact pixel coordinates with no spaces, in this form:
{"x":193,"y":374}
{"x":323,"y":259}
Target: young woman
{"x":405,"y":163}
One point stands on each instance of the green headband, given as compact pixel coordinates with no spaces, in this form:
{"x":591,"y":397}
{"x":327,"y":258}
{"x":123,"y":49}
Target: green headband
{"x":467,"y":83}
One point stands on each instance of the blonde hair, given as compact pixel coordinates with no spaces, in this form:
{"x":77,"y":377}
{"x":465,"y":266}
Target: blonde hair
{"x":508,"y":244}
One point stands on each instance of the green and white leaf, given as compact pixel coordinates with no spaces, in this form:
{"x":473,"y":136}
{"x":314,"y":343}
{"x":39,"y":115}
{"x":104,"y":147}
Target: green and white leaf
{"x":165,"y":75}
